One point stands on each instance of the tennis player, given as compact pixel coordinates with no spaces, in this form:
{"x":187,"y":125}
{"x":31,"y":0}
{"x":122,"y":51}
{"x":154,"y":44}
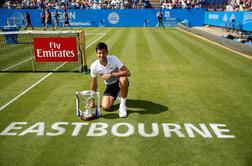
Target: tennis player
{"x":115,"y":76}
{"x":160,"y":20}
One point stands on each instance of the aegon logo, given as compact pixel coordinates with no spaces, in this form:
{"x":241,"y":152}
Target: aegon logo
{"x":113,"y":18}
{"x":119,"y":129}
{"x":55,"y":49}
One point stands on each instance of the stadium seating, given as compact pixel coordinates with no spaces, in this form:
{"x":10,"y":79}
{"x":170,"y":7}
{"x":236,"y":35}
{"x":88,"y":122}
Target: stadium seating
{"x":84,"y":4}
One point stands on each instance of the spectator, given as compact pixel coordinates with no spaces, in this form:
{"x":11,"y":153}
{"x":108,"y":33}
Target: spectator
{"x":165,"y":4}
{"x":230,"y":7}
{"x":66,"y":19}
{"x":27,"y":21}
{"x":15,"y":21}
{"x":1,"y":4}
{"x":8,"y":22}
{"x":48,"y":19}
{"x":147,"y":4}
{"x":56,"y":19}
{"x":146,"y":23}
{"x":135,"y":3}
{"x":42,"y":17}
{"x":160,"y":20}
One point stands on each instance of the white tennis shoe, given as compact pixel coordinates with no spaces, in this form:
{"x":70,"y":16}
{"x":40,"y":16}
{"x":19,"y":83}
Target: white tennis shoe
{"x":123,"y":112}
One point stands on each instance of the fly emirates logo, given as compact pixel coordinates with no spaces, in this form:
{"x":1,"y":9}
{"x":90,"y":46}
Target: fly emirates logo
{"x":55,"y":49}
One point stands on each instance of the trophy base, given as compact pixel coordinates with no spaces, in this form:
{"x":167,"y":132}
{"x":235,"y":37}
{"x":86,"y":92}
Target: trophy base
{"x":88,"y":118}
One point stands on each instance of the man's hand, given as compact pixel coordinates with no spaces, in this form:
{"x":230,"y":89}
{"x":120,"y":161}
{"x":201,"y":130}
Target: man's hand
{"x":106,"y":76}
{"x":92,"y":104}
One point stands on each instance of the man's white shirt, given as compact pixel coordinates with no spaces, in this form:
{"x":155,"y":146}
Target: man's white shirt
{"x":113,"y":65}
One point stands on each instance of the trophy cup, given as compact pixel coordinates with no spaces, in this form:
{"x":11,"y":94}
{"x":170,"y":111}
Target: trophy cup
{"x":85,"y":105}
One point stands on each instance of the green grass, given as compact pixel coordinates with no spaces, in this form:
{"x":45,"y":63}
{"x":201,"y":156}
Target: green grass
{"x":176,"y":78}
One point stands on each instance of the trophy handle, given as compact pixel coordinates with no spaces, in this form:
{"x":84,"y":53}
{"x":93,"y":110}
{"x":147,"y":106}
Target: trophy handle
{"x":98,"y":112}
{"x":77,"y":101}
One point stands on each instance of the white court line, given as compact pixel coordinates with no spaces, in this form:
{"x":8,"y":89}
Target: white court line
{"x":17,"y":64}
{"x":21,"y":94}
{"x":42,"y":79}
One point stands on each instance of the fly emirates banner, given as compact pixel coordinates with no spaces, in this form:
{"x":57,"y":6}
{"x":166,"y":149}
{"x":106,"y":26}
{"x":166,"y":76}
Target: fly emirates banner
{"x":60,"y":49}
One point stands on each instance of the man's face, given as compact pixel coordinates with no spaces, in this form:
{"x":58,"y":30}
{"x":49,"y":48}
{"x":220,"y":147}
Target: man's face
{"x":102,"y":55}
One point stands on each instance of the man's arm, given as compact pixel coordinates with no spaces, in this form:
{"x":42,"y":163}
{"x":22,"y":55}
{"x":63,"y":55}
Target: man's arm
{"x":94,"y":83}
{"x":123,"y":72}
{"x":93,"y":88}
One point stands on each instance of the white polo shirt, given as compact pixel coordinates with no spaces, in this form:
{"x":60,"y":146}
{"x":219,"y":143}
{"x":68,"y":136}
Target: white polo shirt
{"x":113,"y":65}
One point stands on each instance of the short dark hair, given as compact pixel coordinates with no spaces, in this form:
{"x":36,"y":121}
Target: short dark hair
{"x":101,"y":46}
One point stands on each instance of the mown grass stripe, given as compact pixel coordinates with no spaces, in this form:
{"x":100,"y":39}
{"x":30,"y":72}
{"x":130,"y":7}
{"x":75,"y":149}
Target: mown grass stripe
{"x":217,"y":44}
{"x":225,"y":54}
{"x":155,"y":42}
{"x":120,"y":45}
{"x":173,"y":47}
{"x":12,"y":84}
{"x":230,"y":63}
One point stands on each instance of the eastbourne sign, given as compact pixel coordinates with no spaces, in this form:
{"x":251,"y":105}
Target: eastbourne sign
{"x":122,"y":129}
{"x":63,"y":49}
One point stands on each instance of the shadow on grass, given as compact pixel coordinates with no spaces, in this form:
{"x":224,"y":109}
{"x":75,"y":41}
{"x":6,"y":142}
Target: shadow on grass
{"x":137,"y":106}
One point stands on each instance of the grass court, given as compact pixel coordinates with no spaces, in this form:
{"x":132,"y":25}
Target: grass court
{"x":176,"y":78}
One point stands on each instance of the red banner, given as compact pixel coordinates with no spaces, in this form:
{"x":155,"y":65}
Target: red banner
{"x":60,"y":49}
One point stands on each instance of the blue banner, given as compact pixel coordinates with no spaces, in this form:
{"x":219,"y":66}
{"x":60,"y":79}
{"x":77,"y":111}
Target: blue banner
{"x":240,"y":20}
{"x":247,"y":21}
{"x":108,"y":17}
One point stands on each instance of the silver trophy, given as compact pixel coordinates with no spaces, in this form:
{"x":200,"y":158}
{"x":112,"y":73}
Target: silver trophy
{"x":85,"y":105}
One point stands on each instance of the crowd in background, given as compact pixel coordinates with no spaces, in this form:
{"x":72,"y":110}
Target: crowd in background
{"x":239,"y":5}
{"x":184,"y":4}
{"x":231,"y":5}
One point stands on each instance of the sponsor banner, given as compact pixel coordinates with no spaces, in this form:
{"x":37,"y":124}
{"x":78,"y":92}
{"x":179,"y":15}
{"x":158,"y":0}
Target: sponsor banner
{"x":247,"y":21}
{"x":240,"y":20}
{"x":63,"y":49}
{"x":106,"y":17}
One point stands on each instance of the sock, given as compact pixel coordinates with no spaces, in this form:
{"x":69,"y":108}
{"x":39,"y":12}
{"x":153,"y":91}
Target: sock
{"x":123,"y":102}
